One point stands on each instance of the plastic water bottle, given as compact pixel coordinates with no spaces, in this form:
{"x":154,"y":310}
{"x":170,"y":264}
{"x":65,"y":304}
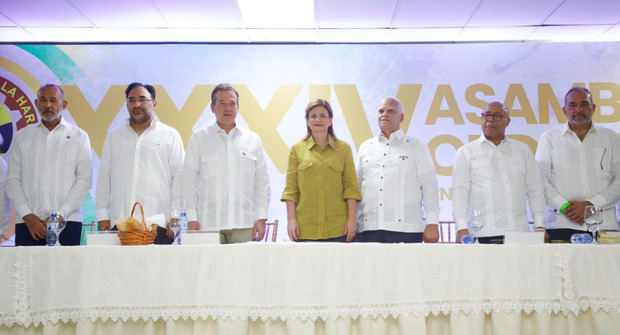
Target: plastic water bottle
{"x":52,"y":227}
{"x":467,"y":239}
{"x":582,"y":238}
{"x":183,"y":224}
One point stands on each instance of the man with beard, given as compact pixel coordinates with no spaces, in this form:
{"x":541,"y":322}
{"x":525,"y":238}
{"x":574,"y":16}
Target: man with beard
{"x":142,"y":161}
{"x":580,"y":162}
{"x":49,"y":170}
{"x":396,"y":176}
{"x":495,"y":176}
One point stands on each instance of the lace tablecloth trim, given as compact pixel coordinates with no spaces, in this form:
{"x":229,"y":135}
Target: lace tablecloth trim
{"x":23,"y":285}
{"x":305,"y":313}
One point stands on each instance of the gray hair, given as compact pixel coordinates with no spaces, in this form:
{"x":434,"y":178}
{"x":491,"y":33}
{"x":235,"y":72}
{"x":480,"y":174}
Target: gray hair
{"x":223,"y":87}
{"x":579,"y":89}
{"x":397,"y":102}
{"x":504,"y":108}
{"x":62,"y":93}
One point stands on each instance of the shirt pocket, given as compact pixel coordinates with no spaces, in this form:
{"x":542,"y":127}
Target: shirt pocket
{"x":155,"y":151}
{"x":304,"y":175}
{"x":208,"y":165}
{"x":601,"y":159}
{"x":480,"y":170}
{"x":333,"y":179}
{"x":248,"y":163}
{"x":561,"y":159}
{"x":71,"y":150}
{"x":517,"y":168}
{"x":334,"y":186}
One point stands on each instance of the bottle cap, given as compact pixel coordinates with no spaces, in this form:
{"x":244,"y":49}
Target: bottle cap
{"x":467,"y":239}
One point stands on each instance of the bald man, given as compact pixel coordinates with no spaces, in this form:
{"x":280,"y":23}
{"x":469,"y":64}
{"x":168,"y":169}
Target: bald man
{"x":496,"y":176}
{"x":49,"y":170}
{"x":396,"y":175}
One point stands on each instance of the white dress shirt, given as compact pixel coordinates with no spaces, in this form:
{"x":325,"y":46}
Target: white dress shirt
{"x":146,"y":168}
{"x":578,"y":171}
{"x":49,"y":171}
{"x":497,"y":180}
{"x":225,"y":180}
{"x":395,"y":176}
{"x":5,"y":204}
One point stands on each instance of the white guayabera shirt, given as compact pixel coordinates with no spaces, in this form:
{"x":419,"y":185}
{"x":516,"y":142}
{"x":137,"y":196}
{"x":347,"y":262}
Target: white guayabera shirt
{"x":225,"y":180}
{"x":395,"y":176}
{"x":580,"y":171}
{"x":497,"y":180}
{"x":146,"y":168}
{"x":49,"y":171}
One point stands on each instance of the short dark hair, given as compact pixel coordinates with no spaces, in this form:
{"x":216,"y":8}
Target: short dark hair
{"x":147,"y":87}
{"x":223,"y":87}
{"x":579,"y":89}
{"x":62,"y":93}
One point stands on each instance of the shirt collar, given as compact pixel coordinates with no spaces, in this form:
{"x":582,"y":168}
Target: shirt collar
{"x":483,"y":139}
{"x":215,"y":128}
{"x":566,"y":129}
{"x":152,"y":126}
{"x":331,"y":141}
{"x":62,"y":123}
{"x":398,"y":135}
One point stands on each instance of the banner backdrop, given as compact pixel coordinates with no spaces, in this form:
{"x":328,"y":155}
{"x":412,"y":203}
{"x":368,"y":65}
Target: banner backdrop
{"x":443,"y":88}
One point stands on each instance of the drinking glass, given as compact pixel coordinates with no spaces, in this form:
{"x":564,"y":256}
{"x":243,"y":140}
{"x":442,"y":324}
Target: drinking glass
{"x":476,"y":222}
{"x":592,"y":218}
{"x":175,"y":227}
{"x":58,"y":228}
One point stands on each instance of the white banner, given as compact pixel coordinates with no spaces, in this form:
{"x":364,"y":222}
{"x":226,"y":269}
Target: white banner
{"x":442,"y":86}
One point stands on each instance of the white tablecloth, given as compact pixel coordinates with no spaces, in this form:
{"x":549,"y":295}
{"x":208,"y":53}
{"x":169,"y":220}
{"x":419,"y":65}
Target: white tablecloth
{"x":304,"y":282}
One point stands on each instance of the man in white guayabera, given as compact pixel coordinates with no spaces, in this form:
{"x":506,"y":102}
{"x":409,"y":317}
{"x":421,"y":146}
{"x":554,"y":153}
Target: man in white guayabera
{"x":142,"y":161}
{"x":225,"y":180}
{"x":580,"y":163}
{"x":493,"y":178}
{"x":396,"y":176}
{"x":49,"y":170}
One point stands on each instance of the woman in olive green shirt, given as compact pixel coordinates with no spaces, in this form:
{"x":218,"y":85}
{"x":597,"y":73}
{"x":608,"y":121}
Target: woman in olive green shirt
{"x":321,"y":190}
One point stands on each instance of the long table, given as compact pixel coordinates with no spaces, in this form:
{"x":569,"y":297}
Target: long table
{"x":311,"y":288}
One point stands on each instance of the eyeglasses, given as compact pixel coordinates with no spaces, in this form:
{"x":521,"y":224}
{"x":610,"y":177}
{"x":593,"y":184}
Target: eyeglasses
{"x":494,"y":116}
{"x":141,"y":100}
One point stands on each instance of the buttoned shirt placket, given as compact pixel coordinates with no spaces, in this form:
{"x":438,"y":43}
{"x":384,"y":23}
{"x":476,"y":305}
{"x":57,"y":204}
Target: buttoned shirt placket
{"x":135,"y":170}
{"x":323,"y":183}
{"x":505,"y":171}
{"x":385,"y":145}
{"x":49,"y":170}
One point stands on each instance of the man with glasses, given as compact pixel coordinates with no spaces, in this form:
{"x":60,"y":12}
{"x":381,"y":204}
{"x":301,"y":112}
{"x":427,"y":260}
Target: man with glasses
{"x":580,"y":163}
{"x":396,"y":176}
{"x":225,"y":180}
{"x":141,"y":161}
{"x":49,"y":170}
{"x":495,"y":176}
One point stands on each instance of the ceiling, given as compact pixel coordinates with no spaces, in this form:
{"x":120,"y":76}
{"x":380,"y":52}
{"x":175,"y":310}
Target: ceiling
{"x":308,"y":21}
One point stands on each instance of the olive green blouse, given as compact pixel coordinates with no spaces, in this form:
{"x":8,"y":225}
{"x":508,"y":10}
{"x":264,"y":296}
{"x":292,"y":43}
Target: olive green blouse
{"x":319,"y":181}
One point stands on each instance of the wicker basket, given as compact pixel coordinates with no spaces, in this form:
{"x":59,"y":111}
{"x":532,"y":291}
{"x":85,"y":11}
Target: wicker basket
{"x":137,"y":237}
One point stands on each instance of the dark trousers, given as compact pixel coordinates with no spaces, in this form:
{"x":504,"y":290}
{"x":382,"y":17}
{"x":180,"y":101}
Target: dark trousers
{"x":387,"y":236}
{"x":563,"y":235}
{"x":69,"y":236}
{"x":342,"y":238}
{"x":160,"y":238}
{"x":499,"y":239}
